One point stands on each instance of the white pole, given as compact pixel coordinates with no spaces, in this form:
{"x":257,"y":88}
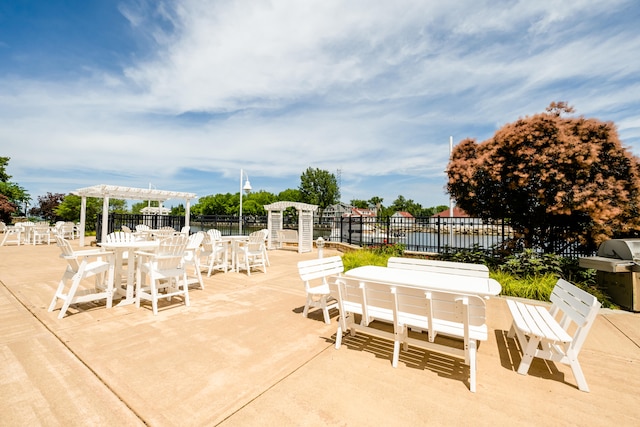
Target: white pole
{"x":240,"y":217}
{"x":450,"y":198}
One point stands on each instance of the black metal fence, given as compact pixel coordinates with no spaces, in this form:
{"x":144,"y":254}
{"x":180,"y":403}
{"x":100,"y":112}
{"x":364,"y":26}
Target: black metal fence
{"x":227,"y":224}
{"x":116,"y":221}
{"x":435,"y":234}
{"x":422,"y":234}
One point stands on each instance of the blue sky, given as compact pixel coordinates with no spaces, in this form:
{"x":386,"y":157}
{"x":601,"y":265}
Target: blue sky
{"x":184,"y":94}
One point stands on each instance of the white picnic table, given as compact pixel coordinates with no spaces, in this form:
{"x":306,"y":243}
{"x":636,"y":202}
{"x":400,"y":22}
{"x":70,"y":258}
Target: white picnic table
{"x":470,"y":285}
{"x":119,"y":248}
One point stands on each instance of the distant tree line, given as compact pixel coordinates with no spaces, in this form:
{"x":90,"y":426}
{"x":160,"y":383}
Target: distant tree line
{"x":317,"y":186}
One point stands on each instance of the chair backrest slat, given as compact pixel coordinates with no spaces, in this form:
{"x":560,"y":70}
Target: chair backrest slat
{"x":321,"y":267}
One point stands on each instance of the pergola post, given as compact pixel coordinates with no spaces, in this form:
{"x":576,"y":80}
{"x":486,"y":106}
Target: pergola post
{"x":83,"y":218}
{"x":105,"y":218}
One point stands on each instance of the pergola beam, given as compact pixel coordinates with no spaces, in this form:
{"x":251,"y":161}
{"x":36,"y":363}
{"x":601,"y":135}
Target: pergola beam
{"x":107,"y":192}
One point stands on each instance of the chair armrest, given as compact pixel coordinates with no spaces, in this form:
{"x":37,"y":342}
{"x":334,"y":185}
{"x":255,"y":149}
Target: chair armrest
{"x":92,"y":252}
{"x":144,"y":253}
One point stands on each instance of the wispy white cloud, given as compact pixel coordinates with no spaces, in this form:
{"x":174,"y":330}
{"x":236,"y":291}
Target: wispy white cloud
{"x":278,"y":86}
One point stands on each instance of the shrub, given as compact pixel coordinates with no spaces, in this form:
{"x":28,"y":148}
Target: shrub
{"x":530,"y":263}
{"x":532,"y":287}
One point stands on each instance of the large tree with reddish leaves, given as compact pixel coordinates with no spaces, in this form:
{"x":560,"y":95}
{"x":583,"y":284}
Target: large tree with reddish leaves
{"x":558,"y":179}
{"x":47,"y":206}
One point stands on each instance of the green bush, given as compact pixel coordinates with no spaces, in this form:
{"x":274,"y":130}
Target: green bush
{"x":362,"y":257}
{"x":530,"y":263}
{"x":531,"y":287}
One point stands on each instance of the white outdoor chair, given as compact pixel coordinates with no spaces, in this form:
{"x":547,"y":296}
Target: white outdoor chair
{"x":82,"y":265}
{"x":163,"y":232}
{"x":192,"y":258}
{"x":12,"y":234}
{"x":126,"y":229}
{"x":265,"y":231}
{"x":215,"y":252}
{"x":319,"y":295}
{"x":66,"y":230}
{"x":165,"y":272}
{"x":121,"y":236}
{"x":250,"y":253}
{"x":42,"y":233}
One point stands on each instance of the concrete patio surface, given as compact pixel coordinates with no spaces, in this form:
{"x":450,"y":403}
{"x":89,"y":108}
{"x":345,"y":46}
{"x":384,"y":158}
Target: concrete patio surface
{"x":243,"y":355}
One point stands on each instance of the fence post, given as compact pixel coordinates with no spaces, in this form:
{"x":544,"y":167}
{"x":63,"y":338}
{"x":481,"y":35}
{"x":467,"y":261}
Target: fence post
{"x":439,"y":232}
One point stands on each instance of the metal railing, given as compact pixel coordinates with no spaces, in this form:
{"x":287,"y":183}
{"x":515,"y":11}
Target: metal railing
{"x":421,"y":234}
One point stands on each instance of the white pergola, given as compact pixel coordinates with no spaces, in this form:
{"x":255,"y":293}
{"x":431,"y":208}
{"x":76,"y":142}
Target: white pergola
{"x":305,"y":223}
{"x":107,"y":192}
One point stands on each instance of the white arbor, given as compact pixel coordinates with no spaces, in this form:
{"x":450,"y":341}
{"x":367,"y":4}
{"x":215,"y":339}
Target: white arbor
{"x":275,"y":213}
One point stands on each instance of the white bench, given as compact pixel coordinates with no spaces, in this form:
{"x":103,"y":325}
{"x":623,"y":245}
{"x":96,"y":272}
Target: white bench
{"x":450,"y":267}
{"x":546,"y":333}
{"x":287,"y":236}
{"x":438,"y":312}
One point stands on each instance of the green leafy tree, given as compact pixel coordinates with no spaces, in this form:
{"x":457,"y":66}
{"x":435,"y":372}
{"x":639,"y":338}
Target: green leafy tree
{"x":179,"y":210}
{"x":358,"y":203}
{"x":47,"y":206}
{"x":401,"y":204}
{"x":551,"y":176}
{"x":319,"y":187}
{"x":218,"y":204}
{"x":15,"y":197}
{"x":70,"y":207}
{"x":290,"y":195}
{"x":136,"y":208}
{"x":118,"y":205}
{"x":69,"y":210}
{"x":4,"y":162}
{"x":261,"y":198}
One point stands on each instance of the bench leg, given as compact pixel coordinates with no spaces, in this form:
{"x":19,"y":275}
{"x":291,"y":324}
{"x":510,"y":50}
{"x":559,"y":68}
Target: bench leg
{"x":471,"y":355}
{"x":528,"y":353}
{"x":325,"y":311}
{"x":396,"y":353}
{"x":305,"y":311}
{"x":339,"y":336}
{"x":577,"y":373}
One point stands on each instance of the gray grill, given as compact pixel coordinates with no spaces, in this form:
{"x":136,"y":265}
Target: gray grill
{"x":617,"y":270}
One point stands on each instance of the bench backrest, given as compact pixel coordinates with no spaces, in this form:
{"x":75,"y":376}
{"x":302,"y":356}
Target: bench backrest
{"x":372,"y":300}
{"x":320,"y":268}
{"x":447,"y":313}
{"x":287,"y":234}
{"x":440,"y":312}
{"x":574,"y":305}
{"x":447,"y":267}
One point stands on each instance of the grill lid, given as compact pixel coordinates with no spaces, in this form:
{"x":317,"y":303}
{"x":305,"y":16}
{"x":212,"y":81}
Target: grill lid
{"x":626,"y":249}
